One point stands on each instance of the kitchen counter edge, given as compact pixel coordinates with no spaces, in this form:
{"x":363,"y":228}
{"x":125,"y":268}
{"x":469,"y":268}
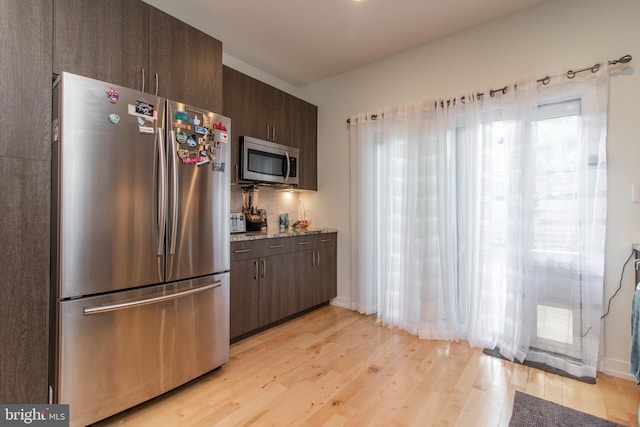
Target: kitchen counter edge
{"x":241,"y":237}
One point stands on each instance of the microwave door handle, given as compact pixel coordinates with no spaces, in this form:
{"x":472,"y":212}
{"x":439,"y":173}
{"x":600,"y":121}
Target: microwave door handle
{"x":286,"y":178}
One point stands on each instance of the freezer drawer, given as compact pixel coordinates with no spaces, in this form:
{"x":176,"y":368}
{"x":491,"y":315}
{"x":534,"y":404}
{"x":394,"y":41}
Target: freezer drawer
{"x":121,"y":349}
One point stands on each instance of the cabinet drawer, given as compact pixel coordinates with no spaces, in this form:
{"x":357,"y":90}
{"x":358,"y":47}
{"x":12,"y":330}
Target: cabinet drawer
{"x":245,"y":250}
{"x":305,"y":242}
{"x":275,"y":246}
{"x":327,"y":239}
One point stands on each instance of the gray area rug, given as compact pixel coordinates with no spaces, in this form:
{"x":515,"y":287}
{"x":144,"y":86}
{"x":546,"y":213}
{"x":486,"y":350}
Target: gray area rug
{"x":532,"y":411}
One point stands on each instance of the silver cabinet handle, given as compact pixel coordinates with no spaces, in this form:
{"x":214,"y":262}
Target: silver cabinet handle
{"x":267,"y":131}
{"x":264,"y":268}
{"x":318,"y":261}
{"x":237,"y":174}
{"x":142,"y":70}
{"x":275,"y":246}
{"x":325,"y":240}
{"x":257,"y":272}
{"x":273,"y":129}
{"x":313,"y":259}
{"x":162,"y":190}
{"x":125,"y":305}
{"x":241,"y":251}
{"x":157,"y":84}
{"x":304,"y":243}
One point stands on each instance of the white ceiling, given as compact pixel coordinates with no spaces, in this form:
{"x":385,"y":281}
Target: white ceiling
{"x":303,"y":41}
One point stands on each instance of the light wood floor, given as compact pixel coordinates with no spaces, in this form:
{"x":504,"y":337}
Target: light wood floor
{"x":334,"y":367}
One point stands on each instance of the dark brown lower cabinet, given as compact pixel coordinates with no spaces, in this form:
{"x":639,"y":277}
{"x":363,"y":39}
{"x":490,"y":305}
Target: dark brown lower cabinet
{"x":243,"y":313}
{"x":316,"y":269}
{"x":272,"y":279}
{"x":327,"y":270}
{"x":277,"y":294}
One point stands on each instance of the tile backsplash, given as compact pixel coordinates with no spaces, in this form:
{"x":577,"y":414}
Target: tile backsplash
{"x":275,"y":201}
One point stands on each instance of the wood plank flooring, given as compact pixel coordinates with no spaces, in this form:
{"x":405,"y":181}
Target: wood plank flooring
{"x":334,"y":367}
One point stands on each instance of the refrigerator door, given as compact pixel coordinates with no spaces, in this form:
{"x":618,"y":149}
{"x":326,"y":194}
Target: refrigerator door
{"x":107,"y":156}
{"x":121,"y":349}
{"x":198,"y":158}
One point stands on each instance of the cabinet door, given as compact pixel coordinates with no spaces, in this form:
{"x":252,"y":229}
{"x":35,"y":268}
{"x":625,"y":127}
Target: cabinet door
{"x":306,"y":280}
{"x":106,"y":40}
{"x":187,"y":62}
{"x":280,"y":119}
{"x":244,"y":297}
{"x":277,"y":299}
{"x":306,"y":139}
{"x":327,"y":271}
{"x":244,"y":102}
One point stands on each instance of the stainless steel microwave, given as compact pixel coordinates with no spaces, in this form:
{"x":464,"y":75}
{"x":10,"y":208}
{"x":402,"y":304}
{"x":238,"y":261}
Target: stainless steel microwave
{"x":268,"y":162}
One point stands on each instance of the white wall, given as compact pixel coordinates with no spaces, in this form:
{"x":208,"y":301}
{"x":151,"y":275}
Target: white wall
{"x":548,"y":38}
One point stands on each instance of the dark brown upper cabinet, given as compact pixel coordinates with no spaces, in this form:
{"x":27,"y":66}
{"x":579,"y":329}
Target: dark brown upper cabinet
{"x":262,"y":111}
{"x":130,"y":43}
{"x":188,"y":62}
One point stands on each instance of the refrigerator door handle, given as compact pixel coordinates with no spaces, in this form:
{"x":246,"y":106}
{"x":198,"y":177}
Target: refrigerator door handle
{"x":174,"y":195}
{"x":162,"y":187}
{"x":126,"y":305}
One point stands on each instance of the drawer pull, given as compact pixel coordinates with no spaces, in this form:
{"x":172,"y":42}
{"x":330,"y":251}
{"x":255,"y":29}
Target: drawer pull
{"x":325,"y":240}
{"x":304,"y":243}
{"x":275,"y":246}
{"x":242,"y":251}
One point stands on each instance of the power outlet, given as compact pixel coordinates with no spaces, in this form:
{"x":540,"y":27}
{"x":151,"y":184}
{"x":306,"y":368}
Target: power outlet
{"x":635,"y":195}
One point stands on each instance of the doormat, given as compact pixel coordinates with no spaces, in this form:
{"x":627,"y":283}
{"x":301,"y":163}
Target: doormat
{"x":542,"y":366}
{"x":532,"y":411}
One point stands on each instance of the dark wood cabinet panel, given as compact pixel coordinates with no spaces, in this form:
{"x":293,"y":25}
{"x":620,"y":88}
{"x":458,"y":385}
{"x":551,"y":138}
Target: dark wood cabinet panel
{"x":327,"y":287}
{"x":262,"y":111}
{"x":105,"y":40}
{"x":243,"y":309}
{"x":244,"y":100}
{"x":25,"y":152}
{"x":277,"y":299}
{"x":306,"y":139}
{"x":305,"y":279}
{"x":187,"y":62}
{"x":316,"y":269}
{"x":25,"y":85}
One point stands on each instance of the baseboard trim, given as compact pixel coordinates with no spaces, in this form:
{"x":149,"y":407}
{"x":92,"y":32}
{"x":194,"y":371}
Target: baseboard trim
{"x":341,"y":302}
{"x":616,"y":368}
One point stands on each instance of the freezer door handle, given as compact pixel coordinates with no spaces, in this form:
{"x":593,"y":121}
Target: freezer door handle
{"x":162,"y":188}
{"x":126,"y":305}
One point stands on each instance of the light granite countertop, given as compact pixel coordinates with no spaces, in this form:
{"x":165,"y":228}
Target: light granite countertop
{"x":269,"y":234}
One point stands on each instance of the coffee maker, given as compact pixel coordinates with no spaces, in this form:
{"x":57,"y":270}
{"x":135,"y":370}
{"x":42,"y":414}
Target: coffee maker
{"x":256,"y":218}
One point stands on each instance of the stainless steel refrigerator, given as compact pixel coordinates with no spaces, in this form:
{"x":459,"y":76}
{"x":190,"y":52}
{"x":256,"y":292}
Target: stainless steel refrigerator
{"x":140,"y":246}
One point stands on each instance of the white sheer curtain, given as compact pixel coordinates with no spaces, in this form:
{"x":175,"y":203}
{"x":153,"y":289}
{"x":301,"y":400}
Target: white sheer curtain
{"x":484,"y":219}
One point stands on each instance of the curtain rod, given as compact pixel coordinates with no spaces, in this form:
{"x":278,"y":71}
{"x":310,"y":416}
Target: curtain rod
{"x":545,"y":81}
